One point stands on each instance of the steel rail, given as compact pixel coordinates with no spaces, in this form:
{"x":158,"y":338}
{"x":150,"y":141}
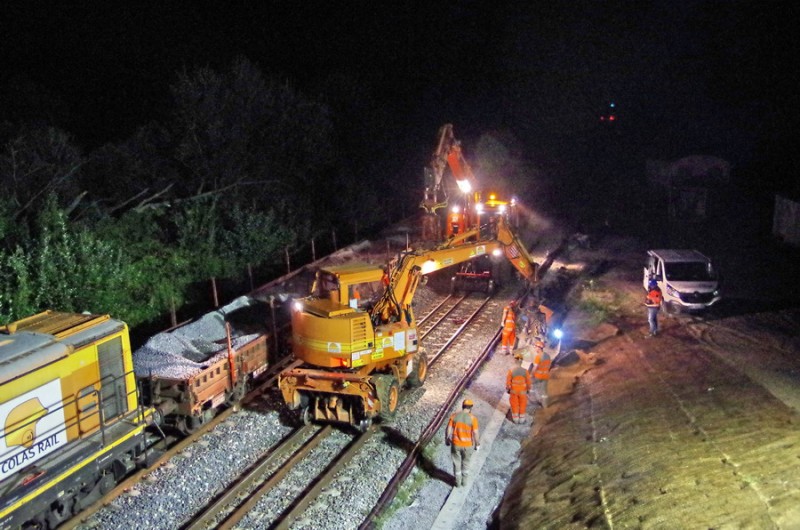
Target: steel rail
{"x":212,"y":514}
{"x":443,"y":316}
{"x":434,"y":310}
{"x":458,"y":332}
{"x":410,"y":462}
{"x":312,"y":493}
{"x":175,"y":447}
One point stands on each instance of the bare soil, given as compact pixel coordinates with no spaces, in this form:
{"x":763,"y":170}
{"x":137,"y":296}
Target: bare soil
{"x":696,"y":428}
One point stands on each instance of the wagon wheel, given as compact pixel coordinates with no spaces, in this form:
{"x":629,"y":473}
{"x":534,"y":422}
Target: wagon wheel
{"x":305,"y":416}
{"x":190,"y":424}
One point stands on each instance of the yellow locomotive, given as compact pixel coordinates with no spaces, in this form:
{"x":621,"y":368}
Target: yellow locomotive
{"x":70,"y":416}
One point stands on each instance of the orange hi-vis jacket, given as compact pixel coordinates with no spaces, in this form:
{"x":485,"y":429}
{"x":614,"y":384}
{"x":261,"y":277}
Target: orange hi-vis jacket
{"x":518,"y":380}
{"x":509,"y":320}
{"x":463,"y":429}
{"x":537,"y":357}
{"x":654,"y":298}
{"x":542,"y":363}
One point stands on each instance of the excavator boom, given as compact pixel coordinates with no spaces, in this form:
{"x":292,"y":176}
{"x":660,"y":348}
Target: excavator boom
{"x":448,"y":153}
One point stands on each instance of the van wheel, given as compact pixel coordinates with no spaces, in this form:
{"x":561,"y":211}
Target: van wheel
{"x":671,"y":309}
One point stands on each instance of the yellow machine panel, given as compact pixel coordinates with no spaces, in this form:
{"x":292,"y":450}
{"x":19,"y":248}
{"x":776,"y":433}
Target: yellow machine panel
{"x":331,"y":341}
{"x":61,"y":377}
{"x":69,"y":415}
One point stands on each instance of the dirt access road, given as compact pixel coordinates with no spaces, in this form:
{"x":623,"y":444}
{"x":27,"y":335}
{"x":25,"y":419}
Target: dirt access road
{"x":697,"y":428}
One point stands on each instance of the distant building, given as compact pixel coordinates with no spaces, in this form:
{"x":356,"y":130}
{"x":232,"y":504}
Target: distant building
{"x":686,"y":182}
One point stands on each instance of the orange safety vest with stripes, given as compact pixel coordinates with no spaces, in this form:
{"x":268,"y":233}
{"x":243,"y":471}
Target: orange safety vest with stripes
{"x":654,"y":298}
{"x":463,"y":429}
{"x":542,"y":362}
{"x":509,"y":320}
{"x":518,"y":380}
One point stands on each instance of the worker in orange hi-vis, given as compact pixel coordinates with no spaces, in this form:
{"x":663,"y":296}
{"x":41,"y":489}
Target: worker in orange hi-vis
{"x":509,"y":334}
{"x":518,"y":384}
{"x":462,"y":437}
{"x":541,"y":373}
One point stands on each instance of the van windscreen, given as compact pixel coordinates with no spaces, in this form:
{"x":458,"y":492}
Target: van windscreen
{"x":691,"y":271}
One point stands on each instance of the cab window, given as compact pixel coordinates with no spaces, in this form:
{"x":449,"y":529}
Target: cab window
{"x":326,"y":286}
{"x":364,"y":295}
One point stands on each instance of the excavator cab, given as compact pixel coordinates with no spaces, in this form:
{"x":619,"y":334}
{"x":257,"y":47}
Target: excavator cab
{"x":356,"y":285}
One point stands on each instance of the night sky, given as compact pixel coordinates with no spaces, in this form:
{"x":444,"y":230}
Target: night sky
{"x":686,"y":77}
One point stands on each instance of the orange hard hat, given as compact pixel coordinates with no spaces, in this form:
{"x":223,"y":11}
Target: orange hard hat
{"x":467,"y":403}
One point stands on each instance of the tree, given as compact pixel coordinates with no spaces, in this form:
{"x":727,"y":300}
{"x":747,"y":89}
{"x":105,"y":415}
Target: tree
{"x":250,"y":139}
{"x":35,"y":162}
{"x":253,"y":237}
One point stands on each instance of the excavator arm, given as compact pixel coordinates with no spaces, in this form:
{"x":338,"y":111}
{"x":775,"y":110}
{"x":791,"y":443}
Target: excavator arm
{"x":395,"y":305}
{"x":447,"y":154}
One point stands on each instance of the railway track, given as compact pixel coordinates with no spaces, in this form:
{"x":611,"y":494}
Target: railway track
{"x":408,"y":464}
{"x":442,"y":327}
{"x":448,"y":321}
{"x":267,"y":495}
{"x":174,"y":445}
{"x":240,"y":497}
{"x":437,"y":313}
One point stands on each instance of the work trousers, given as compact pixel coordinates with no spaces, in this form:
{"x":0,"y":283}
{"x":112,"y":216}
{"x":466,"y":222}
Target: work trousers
{"x":519,"y":403}
{"x":652,"y":319}
{"x":507,"y":340}
{"x":540,"y":391}
{"x":461,"y":457}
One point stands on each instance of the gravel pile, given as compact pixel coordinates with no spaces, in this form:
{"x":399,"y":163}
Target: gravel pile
{"x":185,"y":351}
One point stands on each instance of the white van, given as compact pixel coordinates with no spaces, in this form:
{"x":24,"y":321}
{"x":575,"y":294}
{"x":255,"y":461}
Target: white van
{"x":686,"y":277}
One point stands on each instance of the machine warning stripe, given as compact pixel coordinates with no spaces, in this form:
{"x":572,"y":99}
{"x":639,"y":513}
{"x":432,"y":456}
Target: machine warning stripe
{"x":340,"y":347}
{"x":58,"y":478}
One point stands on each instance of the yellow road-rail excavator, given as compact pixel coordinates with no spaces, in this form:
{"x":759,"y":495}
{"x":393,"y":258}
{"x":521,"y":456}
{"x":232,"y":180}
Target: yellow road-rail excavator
{"x":357,"y":334}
